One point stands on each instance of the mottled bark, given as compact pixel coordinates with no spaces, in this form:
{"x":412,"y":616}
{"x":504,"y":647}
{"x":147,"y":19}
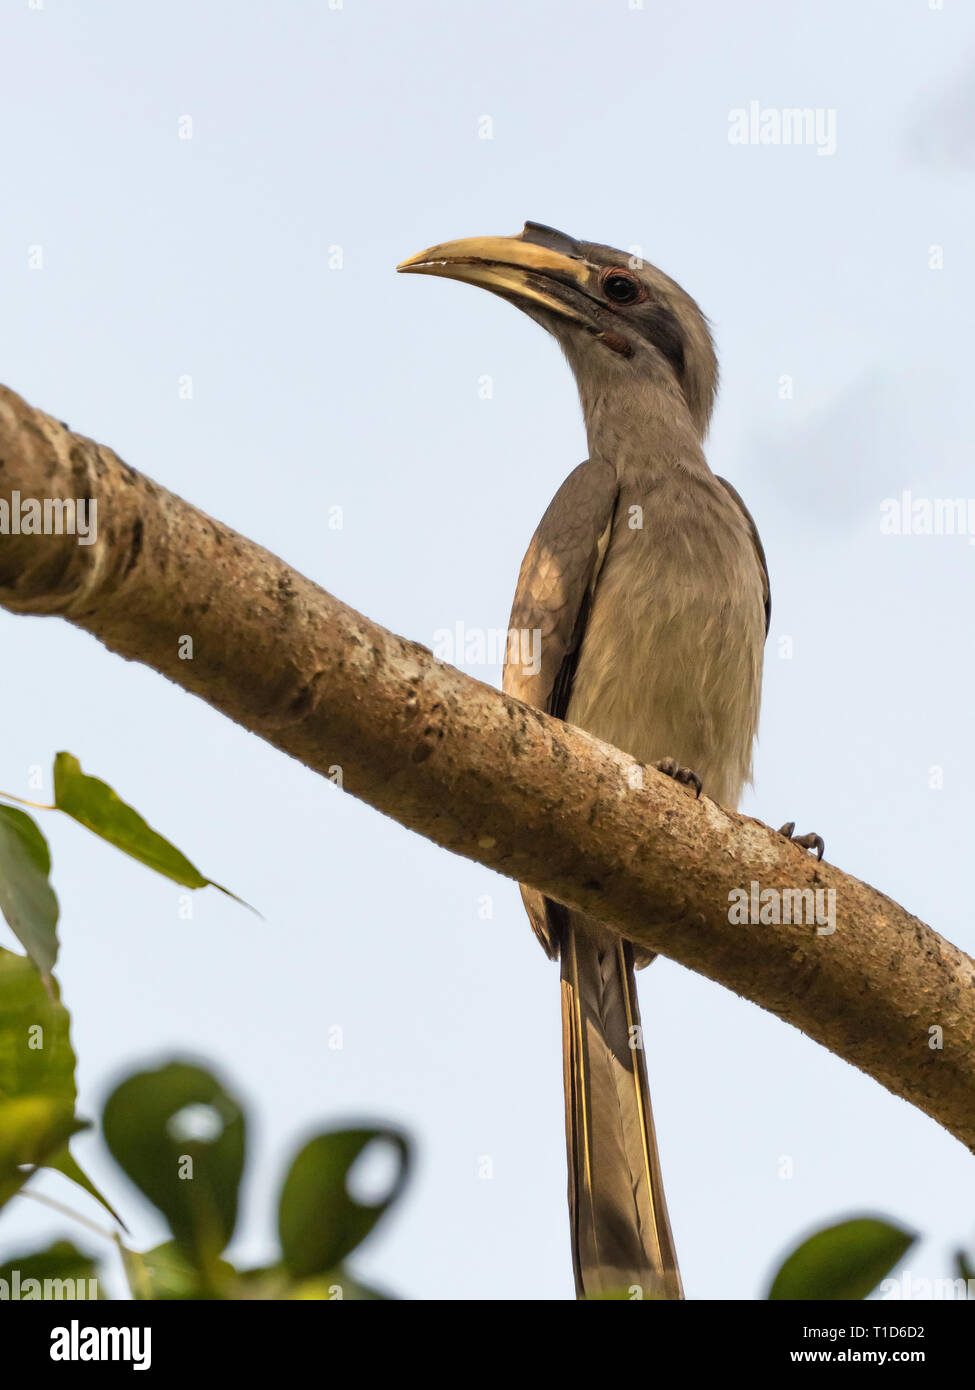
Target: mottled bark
{"x":481,"y":774}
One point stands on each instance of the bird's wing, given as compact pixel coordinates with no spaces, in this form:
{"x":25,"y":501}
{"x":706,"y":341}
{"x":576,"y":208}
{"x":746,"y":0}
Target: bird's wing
{"x":552,"y":600}
{"x":757,"y":542}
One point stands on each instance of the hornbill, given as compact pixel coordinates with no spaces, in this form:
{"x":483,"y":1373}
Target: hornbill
{"x":647,"y":582}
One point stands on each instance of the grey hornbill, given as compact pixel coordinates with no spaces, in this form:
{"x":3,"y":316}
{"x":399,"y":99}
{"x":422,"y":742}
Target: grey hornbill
{"x":647,"y":581}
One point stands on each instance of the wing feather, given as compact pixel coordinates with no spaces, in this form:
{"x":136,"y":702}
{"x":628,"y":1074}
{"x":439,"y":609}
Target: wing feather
{"x":554,"y":594}
{"x":757,"y":542}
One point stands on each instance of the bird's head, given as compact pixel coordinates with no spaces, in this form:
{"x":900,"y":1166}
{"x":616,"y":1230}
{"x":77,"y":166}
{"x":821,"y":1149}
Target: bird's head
{"x":619,"y":320}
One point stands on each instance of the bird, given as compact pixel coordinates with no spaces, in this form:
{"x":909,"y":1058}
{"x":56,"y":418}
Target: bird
{"x":647,"y":585}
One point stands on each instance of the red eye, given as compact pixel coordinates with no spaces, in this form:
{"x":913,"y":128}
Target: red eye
{"x":621,"y":286}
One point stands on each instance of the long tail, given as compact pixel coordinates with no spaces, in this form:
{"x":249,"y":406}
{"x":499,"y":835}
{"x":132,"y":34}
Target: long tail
{"x":621,"y":1234}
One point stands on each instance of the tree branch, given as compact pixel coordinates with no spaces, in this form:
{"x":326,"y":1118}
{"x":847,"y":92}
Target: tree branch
{"x":480,"y":774}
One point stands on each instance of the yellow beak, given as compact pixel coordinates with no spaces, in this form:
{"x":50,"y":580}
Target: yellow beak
{"x":508,"y":266}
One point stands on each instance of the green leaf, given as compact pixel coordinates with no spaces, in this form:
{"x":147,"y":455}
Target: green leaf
{"x":180,"y":1137}
{"x":97,"y":807}
{"x":275,"y":1283}
{"x":27,"y":899}
{"x":31,"y":1129}
{"x":318,"y":1221}
{"x":51,"y":1268}
{"x":269,"y":1283}
{"x":165,"y":1273}
{"x":964,"y":1266}
{"x":843,"y":1261}
{"x":37,"y":1064}
{"x":65,"y":1163}
{"x":336,"y":1286}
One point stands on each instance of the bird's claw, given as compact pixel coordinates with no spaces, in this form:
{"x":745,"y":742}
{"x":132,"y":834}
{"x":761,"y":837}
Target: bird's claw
{"x":810,"y":841}
{"x":670,"y":767}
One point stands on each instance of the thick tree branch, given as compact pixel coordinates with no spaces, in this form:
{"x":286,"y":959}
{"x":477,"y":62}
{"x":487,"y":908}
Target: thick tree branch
{"x":480,"y":774}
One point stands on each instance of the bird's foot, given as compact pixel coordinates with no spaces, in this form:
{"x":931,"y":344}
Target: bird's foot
{"x":670,"y":767}
{"x":810,"y":841}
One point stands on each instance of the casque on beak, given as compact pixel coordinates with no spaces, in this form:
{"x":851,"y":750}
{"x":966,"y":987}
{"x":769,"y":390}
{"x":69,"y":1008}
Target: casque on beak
{"x":522,"y":271}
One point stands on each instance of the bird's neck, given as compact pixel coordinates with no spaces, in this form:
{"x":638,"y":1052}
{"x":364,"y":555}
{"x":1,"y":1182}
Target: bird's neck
{"x":643,"y":429}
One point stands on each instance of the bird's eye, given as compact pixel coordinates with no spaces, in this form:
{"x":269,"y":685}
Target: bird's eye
{"x":620,"y":287}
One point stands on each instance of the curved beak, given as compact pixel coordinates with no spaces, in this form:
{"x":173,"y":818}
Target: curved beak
{"x":528,"y":274}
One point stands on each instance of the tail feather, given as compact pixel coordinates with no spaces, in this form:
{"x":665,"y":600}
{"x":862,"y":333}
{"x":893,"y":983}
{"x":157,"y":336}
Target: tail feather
{"x":621,"y":1233}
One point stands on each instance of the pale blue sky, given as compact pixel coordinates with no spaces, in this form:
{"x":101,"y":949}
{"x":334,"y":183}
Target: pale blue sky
{"x":317,"y":387}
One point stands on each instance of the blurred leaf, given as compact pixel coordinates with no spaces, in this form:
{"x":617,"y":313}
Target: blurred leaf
{"x":136,"y":1274}
{"x":180,"y":1137}
{"x":265,"y":1283}
{"x":275,"y":1282}
{"x":318,"y":1221}
{"x":336,"y":1286}
{"x":964,"y":1266}
{"x":36,"y":1058}
{"x":165,"y":1273}
{"x":27,"y":899}
{"x":97,"y":807}
{"x":31,"y":1128}
{"x":58,"y":1262}
{"x":65,"y":1162}
{"x":842,"y":1262}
